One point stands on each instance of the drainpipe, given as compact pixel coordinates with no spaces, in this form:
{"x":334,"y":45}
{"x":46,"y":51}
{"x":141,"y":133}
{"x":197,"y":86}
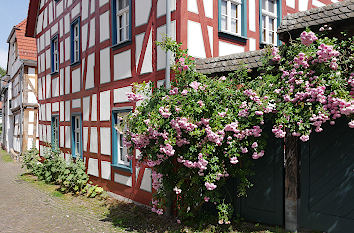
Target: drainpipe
{"x":168,"y":52}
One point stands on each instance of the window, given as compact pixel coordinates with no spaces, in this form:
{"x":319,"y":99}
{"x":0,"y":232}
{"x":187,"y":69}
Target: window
{"x":120,"y":151}
{"x":76,"y":144}
{"x":75,"y":41}
{"x":55,"y":132}
{"x":269,"y":22}
{"x":121,"y":21}
{"x":230,"y":16}
{"x":55,"y":55}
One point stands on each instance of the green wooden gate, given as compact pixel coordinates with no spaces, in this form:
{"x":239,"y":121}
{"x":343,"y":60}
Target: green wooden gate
{"x":327,"y":180}
{"x":265,"y":200}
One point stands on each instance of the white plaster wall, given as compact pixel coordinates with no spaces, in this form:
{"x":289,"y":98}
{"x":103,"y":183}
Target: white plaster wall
{"x":161,"y":7}
{"x":192,"y":6}
{"x":227,"y":48}
{"x":94,"y":108}
{"x":48,"y":109}
{"x":92,"y":34}
{"x":84,"y":10}
{"x":92,"y":167}
{"x":62,"y":112}
{"x":252,"y":15}
{"x":67,"y":138}
{"x":75,"y":11}
{"x":105,"y":68}
{"x":67,"y":110}
{"x":122,"y":65}
{"x":47,"y":58}
{"x":252,"y":45}
{"x":290,"y":3}
{"x":84,"y":36}
{"x":195,"y":41}
{"x":61,"y":78}
{"x":102,"y":2}
{"x":105,"y":141}
{"x":86,"y":108}
{"x":55,"y":107}
{"x":147,"y":62}
{"x":31,"y":116}
{"x":126,"y":180}
{"x":303,"y":4}
{"x":59,"y":8}
{"x":76,"y":79}
{"x":48,"y":86}
{"x":105,"y":105}
{"x":55,"y":87}
{"x":106,"y":170}
{"x":54,"y":29}
{"x":142,"y":11}
{"x":146,"y":181}
{"x":50,"y":11}
{"x":208,"y":8}
{"x":67,"y":79}
{"x":93,"y":140}
{"x":62,"y":136}
{"x":120,"y":94}
{"x":61,"y":52}
{"x":211,"y":38}
{"x":317,"y":3}
{"x":85,"y":138}
{"x":67,"y":49}
{"x":76,"y":103}
{"x":30,"y":129}
{"x":104,"y":26}
{"x":90,"y":82}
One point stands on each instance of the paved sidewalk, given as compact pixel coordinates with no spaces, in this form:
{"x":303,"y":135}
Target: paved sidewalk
{"x":25,"y":208}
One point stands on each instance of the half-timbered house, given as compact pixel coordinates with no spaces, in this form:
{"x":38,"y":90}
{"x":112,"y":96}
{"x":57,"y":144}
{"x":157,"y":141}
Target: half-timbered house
{"x":91,"y":51}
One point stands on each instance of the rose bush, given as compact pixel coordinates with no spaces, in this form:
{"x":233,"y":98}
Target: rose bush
{"x":206,"y":131}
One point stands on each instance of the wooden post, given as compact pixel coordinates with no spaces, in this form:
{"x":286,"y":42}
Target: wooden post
{"x":291,"y":182}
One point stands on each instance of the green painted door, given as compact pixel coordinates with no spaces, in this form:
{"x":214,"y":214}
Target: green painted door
{"x":327,"y":180}
{"x":265,"y":200}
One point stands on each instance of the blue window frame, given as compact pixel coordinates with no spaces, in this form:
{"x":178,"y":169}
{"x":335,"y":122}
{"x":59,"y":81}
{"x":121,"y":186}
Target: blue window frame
{"x":120,"y":152}
{"x":270,"y":14}
{"x":75,"y":39}
{"x":76,"y":136}
{"x":121,"y":21}
{"x":233,"y":18}
{"x":55,"y":132}
{"x":54,"y":50}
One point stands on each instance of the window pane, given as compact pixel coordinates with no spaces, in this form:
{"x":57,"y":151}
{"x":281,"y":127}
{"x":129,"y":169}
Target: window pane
{"x":223,"y":7}
{"x":271,"y":6}
{"x":264,"y":22}
{"x":233,"y":10}
{"x":271,"y":24}
{"x":120,"y":4}
{"x":223,"y":23}
{"x":264,"y":3}
{"x":234,"y":26}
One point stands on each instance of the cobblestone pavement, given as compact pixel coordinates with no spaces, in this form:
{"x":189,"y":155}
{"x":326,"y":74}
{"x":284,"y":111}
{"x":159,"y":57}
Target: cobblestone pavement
{"x":25,"y":208}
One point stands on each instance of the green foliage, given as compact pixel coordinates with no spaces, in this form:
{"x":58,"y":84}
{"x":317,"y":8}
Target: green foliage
{"x":2,"y":72}
{"x":53,"y":168}
{"x":202,"y":136}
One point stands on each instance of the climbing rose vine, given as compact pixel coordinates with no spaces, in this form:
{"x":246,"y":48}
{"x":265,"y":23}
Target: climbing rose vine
{"x":203,"y":134}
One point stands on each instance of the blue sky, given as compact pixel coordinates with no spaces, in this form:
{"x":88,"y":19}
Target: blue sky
{"x":12,"y":12}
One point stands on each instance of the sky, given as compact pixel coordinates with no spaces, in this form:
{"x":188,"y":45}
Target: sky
{"x":12,"y":12}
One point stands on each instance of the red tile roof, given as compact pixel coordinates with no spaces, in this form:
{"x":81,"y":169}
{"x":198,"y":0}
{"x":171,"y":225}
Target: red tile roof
{"x":27,"y":48}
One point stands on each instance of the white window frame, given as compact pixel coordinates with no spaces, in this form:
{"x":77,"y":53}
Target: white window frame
{"x":124,"y":14}
{"x":265,"y":25}
{"x":122,"y":151}
{"x":228,"y":16}
{"x":76,"y":42}
{"x":55,"y":55}
{"x":77,"y":136}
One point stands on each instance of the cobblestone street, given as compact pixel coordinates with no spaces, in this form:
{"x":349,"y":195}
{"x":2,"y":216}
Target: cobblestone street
{"x":25,"y":208}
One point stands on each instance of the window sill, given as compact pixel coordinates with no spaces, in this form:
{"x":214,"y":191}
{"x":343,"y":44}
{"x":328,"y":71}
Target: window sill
{"x":232,"y":36}
{"x":123,"y":168}
{"x":55,"y":73}
{"x":74,"y":64}
{"x":121,"y":44}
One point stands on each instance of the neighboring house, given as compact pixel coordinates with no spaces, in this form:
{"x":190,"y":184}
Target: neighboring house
{"x":19,"y":93}
{"x":91,"y":51}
